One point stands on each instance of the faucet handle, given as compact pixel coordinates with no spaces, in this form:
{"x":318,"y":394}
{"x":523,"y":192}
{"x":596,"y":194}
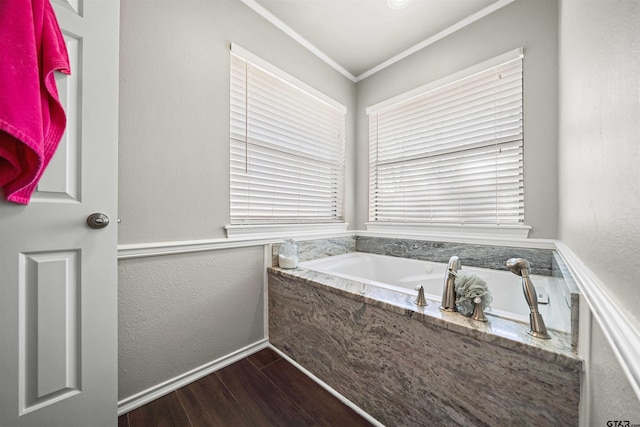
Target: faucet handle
{"x":478,"y":314}
{"x":454,"y":264}
{"x":421,"y":300}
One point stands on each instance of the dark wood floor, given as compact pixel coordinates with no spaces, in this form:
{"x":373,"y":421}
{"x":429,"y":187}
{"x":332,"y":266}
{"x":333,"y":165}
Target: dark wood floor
{"x":261,"y":390}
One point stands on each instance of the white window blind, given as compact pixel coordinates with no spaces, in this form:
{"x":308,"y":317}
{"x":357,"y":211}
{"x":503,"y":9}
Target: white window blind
{"x":452,"y":152}
{"x":287,"y":147}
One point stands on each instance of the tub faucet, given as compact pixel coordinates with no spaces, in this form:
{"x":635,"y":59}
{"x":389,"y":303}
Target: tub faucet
{"x":449,"y":291}
{"x":521,"y":267}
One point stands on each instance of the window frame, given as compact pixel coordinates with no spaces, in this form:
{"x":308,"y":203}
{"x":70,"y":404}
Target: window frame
{"x":509,"y":228}
{"x":331,"y":169}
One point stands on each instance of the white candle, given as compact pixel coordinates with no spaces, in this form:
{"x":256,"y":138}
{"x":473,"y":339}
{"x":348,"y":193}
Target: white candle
{"x":287,"y":261}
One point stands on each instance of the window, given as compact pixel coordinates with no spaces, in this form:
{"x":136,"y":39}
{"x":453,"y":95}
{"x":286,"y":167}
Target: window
{"x":451,"y":152}
{"x":287,"y":147}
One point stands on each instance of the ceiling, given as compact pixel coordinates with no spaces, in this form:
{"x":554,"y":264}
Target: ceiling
{"x":359,"y":37}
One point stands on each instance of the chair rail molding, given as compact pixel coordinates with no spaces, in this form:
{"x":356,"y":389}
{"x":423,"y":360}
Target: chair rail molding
{"x":622,"y":332}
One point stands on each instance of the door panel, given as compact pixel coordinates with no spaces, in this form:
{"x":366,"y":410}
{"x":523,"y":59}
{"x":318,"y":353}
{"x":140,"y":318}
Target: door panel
{"x":58,"y":277}
{"x":50,"y":358}
{"x":61,"y":180}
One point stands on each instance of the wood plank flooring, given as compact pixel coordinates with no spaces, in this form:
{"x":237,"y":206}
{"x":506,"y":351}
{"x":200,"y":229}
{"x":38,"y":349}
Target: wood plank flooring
{"x":260,"y":390}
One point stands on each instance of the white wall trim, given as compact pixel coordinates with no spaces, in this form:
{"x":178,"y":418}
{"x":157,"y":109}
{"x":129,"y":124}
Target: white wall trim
{"x":280,"y":230}
{"x":623,"y":333}
{"x":438,"y":36}
{"x":260,"y":10}
{"x":328,"y":388}
{"x":141,"y":250}
{"x":152,"y":393}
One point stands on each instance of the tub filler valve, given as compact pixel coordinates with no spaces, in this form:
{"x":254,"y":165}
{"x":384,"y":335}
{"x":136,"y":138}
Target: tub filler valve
{"x":521,"y":267}
{"x":449,"y":291}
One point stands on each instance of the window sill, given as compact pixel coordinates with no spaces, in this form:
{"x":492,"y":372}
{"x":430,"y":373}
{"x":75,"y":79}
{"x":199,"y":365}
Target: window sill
{"x":449,"y":232}
{"x":284,"y":230}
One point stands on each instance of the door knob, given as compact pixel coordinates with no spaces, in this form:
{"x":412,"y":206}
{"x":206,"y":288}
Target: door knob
{"x":97,"y":220}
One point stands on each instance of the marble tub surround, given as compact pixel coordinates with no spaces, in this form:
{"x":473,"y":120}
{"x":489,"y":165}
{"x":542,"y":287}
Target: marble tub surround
{"x":545,"y":262}
{"x":319,"y":248}
{"x":504,"y":333}
{"x":485,"y":256}
{"x":410,"y":365}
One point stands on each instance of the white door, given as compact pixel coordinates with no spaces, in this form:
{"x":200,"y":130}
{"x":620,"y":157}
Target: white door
{"x":58,"y":277}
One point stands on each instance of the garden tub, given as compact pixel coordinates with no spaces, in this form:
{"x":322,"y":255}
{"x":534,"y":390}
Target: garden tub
{"x":403,"y":275}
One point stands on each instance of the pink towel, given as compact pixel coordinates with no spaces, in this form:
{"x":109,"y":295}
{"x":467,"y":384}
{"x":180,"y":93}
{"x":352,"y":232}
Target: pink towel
{"x":32,"y":119}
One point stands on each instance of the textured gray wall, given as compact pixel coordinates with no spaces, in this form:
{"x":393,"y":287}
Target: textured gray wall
{"x":612,"y":396}
{"x":174,"y":111}
{"x":178,"y":312}
{"x":529,"y":24}
{"x":600,"y":141}
{"x":599,"y":176}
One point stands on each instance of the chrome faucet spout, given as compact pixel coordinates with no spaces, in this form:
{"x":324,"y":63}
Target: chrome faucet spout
{"x":449,"y":291}
{"x":521,"y":267}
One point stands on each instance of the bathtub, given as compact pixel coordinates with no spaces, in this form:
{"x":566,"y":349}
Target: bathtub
{"x":404,"y":275}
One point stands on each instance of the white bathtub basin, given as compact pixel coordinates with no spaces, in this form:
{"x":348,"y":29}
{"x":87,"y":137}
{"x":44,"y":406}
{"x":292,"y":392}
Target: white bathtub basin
{"x":403,"y":275}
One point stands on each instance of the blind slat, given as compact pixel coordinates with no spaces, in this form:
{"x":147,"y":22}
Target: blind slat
{"x":453,"y":154}
{"x":287,"y":150}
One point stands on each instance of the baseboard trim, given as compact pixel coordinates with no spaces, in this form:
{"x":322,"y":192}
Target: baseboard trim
{"x":328,"y":388}
{"x":622,"y":333}
{"x":150,"y":394}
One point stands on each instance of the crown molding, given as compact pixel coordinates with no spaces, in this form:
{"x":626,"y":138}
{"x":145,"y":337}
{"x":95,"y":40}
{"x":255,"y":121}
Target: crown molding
{"x":262,"y":11}
{"x":434,"y":38}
